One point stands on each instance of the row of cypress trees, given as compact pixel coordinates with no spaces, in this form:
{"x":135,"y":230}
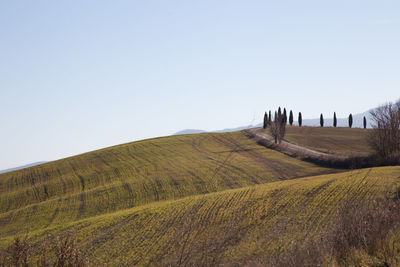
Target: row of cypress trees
{"x":268,"y":119}
{"x":321,"y":120}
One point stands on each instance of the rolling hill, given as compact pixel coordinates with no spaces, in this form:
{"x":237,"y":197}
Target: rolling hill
{"x":199,"y":199}
{"x":340,"y":140}
{"x":228,"y":227}
{"x":23,"y":167}
{"x":138,"y":173}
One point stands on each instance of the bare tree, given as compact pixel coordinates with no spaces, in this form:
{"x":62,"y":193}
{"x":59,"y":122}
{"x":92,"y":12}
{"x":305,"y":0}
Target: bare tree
{"x":385,"y":137}
{"x":278,"y":127}
{"x":274,"y":129}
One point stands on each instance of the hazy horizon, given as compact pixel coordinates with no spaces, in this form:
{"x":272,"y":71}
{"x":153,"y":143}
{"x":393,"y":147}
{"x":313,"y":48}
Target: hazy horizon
{"x":79,"y":76}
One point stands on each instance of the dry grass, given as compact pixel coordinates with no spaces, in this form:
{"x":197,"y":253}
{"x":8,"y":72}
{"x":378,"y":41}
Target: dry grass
{"x":338,"y":160}
{"x":362,"y":234}
{"x":340,"y":140}
{"x":231,"y":227}
{"x":17,"y":253}
{"x":206,"y":199}
{"x":62,"y":252}
{"x":138,"y":173}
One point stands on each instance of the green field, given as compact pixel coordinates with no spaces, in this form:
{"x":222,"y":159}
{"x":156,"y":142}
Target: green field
{"x":340,"y":140}
{"x":197,"y":199}
{"x":227,"y":227}
{"x":138,"y":173}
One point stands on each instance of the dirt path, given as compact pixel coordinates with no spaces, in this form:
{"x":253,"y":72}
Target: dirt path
{"x":297,"y":151}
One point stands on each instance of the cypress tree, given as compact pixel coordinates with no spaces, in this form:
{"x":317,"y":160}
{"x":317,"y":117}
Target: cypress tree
{"x":284,"y":115}
{"x":350,"y":120}
{"x":269,"y":118}
{"x":300,"y":119}
{"x":291,"y":118}
{"x":265,"y":120}
{"x":365,"y":122}
{"x":321,"y":120}
{"x":275,"y":128}
{"x":334,"y":119}
{"x":279,"y":112}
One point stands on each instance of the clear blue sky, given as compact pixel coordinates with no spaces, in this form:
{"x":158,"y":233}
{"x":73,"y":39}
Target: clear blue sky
{"x":80,"y":75}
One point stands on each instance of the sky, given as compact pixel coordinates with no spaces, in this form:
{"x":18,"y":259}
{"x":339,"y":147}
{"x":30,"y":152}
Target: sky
{"x":82,"y":75}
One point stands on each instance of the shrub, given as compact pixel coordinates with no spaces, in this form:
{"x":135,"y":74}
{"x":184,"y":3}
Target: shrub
{"x":65,"y":253}
{"x":363,"y":234}
{"x":19,"y":252}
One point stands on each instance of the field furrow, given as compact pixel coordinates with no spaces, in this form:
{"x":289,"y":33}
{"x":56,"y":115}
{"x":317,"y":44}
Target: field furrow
{"x":228,"y":226}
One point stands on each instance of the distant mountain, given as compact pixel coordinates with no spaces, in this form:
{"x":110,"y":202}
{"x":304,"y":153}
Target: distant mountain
{"x":23,"y":167}
{"x":195,"y":131}
{"x":189,"y":131}
{"x":234,"y":129}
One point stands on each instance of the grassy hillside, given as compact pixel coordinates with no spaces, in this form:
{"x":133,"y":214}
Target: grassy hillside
{"x":197,"y":199}
{"x":340,"y":140}
{"x":138,"y":173}
{"x":233,"y":226}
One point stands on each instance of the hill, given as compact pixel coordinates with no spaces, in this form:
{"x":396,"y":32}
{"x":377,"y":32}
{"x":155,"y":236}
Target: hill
{"x":331,"y":147}
{"x":339,"y":140}
{"x":199,"y":199}
{"x":138,"y":173}
{"x":23,"y":167}
{"x":231,"y":227}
